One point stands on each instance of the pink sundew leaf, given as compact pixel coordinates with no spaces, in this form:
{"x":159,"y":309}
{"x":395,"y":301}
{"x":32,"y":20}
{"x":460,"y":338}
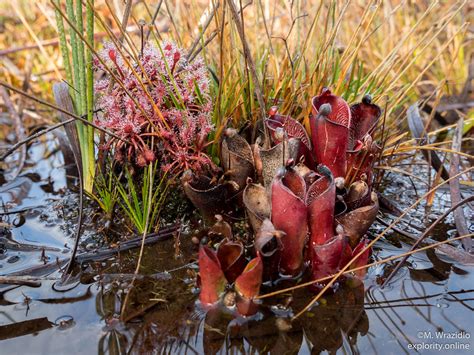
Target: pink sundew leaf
{"x":329,"y":133}
{"x":137,"y":114}
{"x":212,"y":278}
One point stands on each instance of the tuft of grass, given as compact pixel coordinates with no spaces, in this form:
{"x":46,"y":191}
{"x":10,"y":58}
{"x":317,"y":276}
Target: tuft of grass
{"x":80,"y":76}
{"x":141,"y":200}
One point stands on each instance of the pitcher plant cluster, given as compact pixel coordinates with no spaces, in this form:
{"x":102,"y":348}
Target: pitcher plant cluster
{"x":308,"y":197}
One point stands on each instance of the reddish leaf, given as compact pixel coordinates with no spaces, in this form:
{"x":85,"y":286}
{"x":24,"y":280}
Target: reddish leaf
{"x":326,"y":258}
{"x":360,"y":161}
{"x":363,"y":259}
{"x":289,"y":214}
{"x":231,"y":258}
{"x":245,"y":306}
{"x":292,"y":127}
{"x":357,"y":222}
{"x":248,"y":283}
{"x":330,"y":131}
{"x":321,"y":198}
{"x":213,"y":281}
{"x":220,"y":229}
{"x":364,"y":118}
{"x":358,"y":195}
{"x":294,"y":130}
{"x":207,"y":198}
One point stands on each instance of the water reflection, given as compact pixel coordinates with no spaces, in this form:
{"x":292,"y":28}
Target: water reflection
{"x":156,"y":324}
{"x":339,"y":317}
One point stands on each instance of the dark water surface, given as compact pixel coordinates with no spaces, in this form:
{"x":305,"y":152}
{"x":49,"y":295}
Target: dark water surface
{"x":430,"y":298}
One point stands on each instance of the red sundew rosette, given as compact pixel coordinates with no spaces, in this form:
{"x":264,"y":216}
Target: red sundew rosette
{"x":213,"y":281}
{"x":321,"y":200}
{"x":330,"y":131}
{"x":247,"y":286}
{"x":362,"y":150}
{"x":289,"y":215}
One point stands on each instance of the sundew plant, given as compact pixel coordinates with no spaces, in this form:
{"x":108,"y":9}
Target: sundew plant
{"x":161,"y":108}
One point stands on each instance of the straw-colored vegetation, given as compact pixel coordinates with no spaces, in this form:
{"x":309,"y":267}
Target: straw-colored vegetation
{"x":398,"y":51}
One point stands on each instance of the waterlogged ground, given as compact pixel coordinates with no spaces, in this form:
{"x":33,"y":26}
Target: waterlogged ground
{"x":430,"y":298}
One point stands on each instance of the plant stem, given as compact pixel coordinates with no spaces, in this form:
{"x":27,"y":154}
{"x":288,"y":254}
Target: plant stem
{"x":63,"y":45}
{"x":76,"y":74}
{"x":90,"y":173}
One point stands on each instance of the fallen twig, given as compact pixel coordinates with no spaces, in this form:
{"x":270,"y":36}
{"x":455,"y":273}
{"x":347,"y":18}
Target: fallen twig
{"x":27,"y":275}
{"x":106,"y":253}
{"x":26,"y":327}
{"x":39,"y":270}
{"x":13,"y":245}
{"x":20,"y":280}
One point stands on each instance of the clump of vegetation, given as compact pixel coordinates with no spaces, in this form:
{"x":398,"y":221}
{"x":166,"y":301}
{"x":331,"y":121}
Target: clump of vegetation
{"x":160,"y":106}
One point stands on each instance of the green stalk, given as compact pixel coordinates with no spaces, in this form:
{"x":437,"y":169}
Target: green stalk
{"x":81,"y":87}
{"x":75,"y":60}
{"x":76,"y":74}
{"x":63,"y":45}
{"x":80,"y":56}
{"x":90,"y":173}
